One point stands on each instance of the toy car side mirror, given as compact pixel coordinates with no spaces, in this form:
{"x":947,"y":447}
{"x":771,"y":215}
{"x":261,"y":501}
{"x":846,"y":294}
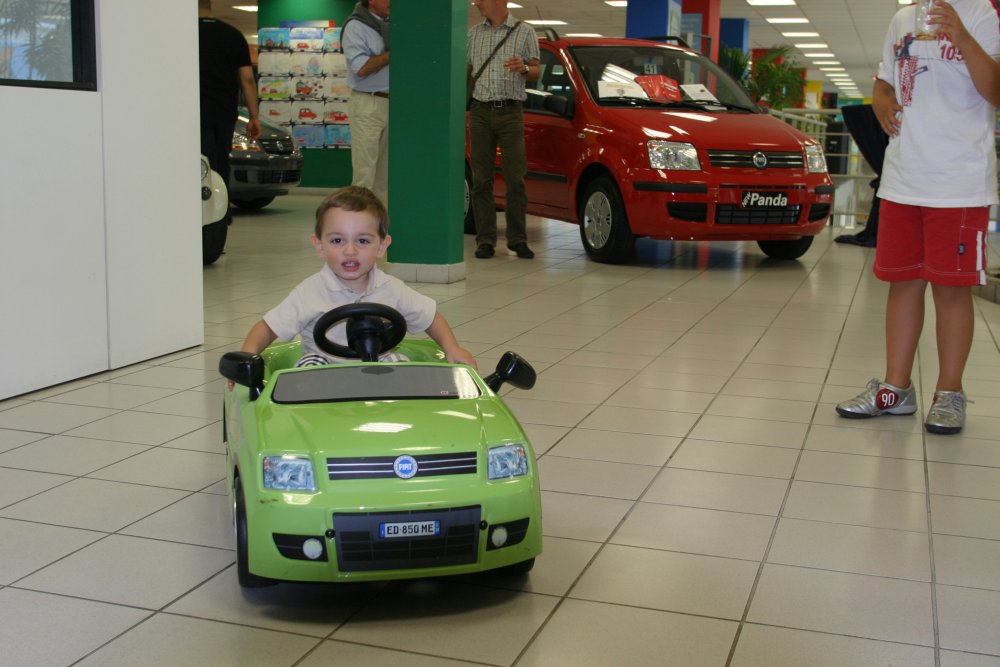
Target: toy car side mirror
{"x":245,"y":369}
{"x":512,"y":368}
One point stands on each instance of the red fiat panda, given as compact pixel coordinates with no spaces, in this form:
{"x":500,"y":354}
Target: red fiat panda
{"x":631,"y":138}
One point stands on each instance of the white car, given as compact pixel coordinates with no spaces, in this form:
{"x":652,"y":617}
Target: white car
{"x":214,"y":204}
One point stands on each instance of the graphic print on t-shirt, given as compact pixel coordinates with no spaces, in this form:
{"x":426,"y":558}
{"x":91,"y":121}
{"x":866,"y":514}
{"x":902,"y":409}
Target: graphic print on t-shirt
{"x":908,"y":69}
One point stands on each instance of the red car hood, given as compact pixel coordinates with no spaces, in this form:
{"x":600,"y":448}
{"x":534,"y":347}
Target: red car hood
{"x":714,"y":130}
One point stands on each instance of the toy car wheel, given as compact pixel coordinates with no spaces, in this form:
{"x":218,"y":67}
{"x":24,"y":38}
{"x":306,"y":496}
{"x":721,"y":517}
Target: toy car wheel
{"x":517,"y":569}
{"x":373,"y":328}
{"x":213,"y":240}
{"x":254,"y":204}
{"x":470,"y":218}
{"x":243,"y":575}
{"x":604,"y":227}
{"x":786,"y":249}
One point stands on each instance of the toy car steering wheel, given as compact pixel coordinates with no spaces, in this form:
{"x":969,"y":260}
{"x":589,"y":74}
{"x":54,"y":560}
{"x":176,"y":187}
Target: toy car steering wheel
{"x":372,"y":328}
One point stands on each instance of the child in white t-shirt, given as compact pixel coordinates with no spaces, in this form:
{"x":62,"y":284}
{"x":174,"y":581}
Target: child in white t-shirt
{"x":351,"y":235}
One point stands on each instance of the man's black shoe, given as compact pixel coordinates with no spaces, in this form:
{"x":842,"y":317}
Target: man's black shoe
{"x":484,"y":251}
{"x":522,"y":250}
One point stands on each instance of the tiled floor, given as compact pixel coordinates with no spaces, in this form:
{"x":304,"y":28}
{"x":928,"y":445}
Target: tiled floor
{"x":704,"y":505}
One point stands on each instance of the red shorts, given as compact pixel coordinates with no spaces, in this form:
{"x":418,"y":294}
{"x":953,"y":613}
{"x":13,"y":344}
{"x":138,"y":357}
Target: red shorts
{"x":944,"y":246}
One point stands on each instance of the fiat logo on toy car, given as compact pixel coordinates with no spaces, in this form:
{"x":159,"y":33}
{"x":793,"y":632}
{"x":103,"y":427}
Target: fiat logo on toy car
{"x":759,"y":160}
{"x":404,"y":466}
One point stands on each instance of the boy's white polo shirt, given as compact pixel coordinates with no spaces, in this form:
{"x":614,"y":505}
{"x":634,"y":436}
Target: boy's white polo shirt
{"x":323,"y":291}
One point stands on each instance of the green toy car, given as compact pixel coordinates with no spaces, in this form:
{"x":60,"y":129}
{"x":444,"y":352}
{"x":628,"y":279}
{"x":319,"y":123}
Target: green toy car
{"x":367,"y":471}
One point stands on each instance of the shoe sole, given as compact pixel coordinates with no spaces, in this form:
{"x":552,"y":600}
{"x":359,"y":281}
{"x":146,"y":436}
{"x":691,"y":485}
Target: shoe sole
{"x":861,"y":415}
{"x":942,"y":430}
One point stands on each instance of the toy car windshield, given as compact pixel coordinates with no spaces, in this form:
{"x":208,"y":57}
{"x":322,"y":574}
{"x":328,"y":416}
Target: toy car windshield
{"x":375,"y":382}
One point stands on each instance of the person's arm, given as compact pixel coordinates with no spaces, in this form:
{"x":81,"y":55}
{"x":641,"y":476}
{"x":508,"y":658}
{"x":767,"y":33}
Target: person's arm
{"x":441,"y":333}
{"x":374,"y":64}
{"x":984,"y":70}
{"x":534,"y":71}
{"x":886,"y":107}
{"x":260,"y":336}
{"x":249,"y":88}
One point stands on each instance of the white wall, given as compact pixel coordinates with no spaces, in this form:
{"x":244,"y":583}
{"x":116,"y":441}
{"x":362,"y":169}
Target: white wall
{"x":101,"y":259}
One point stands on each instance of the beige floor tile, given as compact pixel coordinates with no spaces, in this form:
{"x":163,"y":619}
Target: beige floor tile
{"x":169,"y":378}
{"x":42,"y":629}
{"x":143,"y":428}
{"x":26,"y":547}
{"x":634,"y":420}
{"x":110,"y":395}
{"x":18,"y":485}
{"x":617,"y":360}
{"x":206,"y":439}
{"x":581,"y":443}
{"x":780,"y":372}
{"x":581,"y":517}
{"x":963,"y":450}
{"x":858,"y":549}
{"x":155,"y":642}
{"x":870,"y":471}
{"x":648,"y":398}
{"x":762,"y":408}
{"x":721,"y":491}
{"x":561,"y":563}
{"x":876,"y":508}
{"x":710,"y":366}
{"x":750,"y":431}
{"x":569,"y":373}
{"x":481,"y":624}
{"x":549,"y":413}
{"x":969,"y":619}
{"x":706,"y":384}
{"x":203,"y":405}
{"x":892,"y":444}
{"x":763,"y":646}
{"x":960,"y":659}
{"x":12,"y":439}
{"x":594,"y":478}
{"x":201,"y":519}
{"x":130,"y":571}
{"x":305,"y":609}
{"x":68,"y":456}
{"x":964,"y":480}
{"x":171,"y":468}
{"x":588,"y":393}
{"x":966,"y":517}
{"x":696,"y":531}
{"x":779,"y":389}
{"x":668,"y":581}
{"x":849,"y":604}
{"x":735,"y":458}
{"x":91,"y":504}
{"x":964,"y":561}
{"x":43,"y":417}
{"x":343,"y":653}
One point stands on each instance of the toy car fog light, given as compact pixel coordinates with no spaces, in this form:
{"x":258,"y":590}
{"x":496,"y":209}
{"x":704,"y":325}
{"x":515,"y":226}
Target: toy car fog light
{"x":498,"y":536}
{"x":672,"y":155}
{"x":288,"y":473}
{"x":507,"y":461}
{"x":815,"y":160}
{"x":312,"y":548}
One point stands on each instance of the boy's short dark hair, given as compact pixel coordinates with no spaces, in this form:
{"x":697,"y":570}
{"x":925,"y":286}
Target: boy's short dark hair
{"x":354,"y":198}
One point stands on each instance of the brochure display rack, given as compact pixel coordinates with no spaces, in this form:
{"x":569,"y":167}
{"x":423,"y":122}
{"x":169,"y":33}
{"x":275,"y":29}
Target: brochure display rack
{"x":303,"y":83}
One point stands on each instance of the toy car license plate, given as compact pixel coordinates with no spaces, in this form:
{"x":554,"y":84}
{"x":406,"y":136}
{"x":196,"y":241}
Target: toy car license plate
{"x":409,"y":529}
{"x":758,"y":199}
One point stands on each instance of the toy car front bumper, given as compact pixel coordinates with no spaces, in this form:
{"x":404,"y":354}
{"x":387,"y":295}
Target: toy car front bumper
{"x":295,"y":537}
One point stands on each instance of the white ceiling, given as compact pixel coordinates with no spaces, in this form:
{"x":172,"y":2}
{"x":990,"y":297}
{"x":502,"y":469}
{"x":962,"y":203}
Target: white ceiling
{"x":853,"y":29}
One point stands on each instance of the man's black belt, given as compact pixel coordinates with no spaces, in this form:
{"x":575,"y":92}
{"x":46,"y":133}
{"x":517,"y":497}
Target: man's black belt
{"x":499,"y":104}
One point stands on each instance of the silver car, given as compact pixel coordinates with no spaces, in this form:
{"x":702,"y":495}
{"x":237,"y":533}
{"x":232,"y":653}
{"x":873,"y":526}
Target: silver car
{"x":262,"y":169}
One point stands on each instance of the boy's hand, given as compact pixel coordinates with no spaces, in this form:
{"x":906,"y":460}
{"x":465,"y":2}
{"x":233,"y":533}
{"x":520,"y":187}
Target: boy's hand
{"x":459,"y":355}
{"x":945,"y":18}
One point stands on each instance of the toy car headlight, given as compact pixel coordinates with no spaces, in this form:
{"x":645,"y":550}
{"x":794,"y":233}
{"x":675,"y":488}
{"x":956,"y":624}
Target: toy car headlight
{"x":204,"y":168}
{"x":242,"y":142}
{"x":815,"y":160}
{"x":672,"y":155}
{"x":288,"y":473}
{"x":507,"y":461}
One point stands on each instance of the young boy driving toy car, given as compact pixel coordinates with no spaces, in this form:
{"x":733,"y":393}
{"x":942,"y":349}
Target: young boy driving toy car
{"x":352,"y":233}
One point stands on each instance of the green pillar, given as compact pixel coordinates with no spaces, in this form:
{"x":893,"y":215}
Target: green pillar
{"x":427,"y":139}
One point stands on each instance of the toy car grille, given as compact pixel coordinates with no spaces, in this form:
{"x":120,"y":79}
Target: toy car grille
{"x":729,"y":214}
{"x":382,"y":467}
{"x":775,"y":160}
{"x":359,"y":547}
